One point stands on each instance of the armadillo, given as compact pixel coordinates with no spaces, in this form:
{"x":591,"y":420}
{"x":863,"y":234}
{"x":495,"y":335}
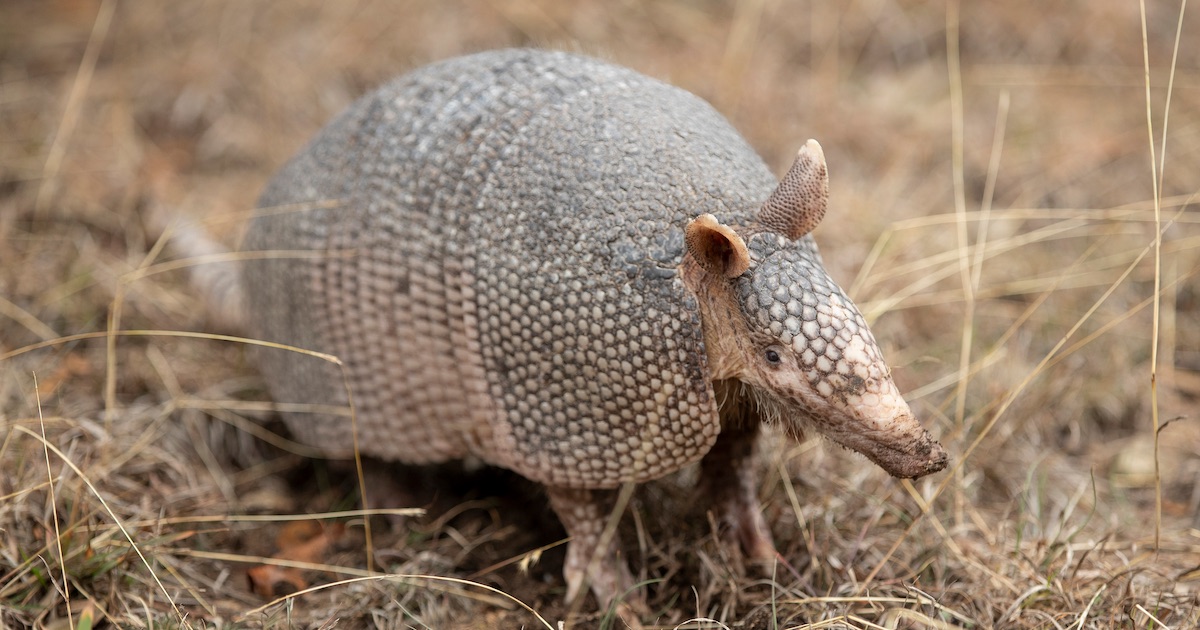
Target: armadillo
{"x":565,"y":268}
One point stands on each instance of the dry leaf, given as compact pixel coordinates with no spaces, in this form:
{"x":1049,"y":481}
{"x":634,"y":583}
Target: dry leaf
{"x":298,"y":541}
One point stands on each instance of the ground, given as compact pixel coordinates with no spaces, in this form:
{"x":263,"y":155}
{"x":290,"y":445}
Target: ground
{"x":994,"y":212}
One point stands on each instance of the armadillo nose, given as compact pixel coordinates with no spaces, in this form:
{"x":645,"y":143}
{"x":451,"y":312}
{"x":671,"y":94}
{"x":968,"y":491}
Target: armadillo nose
{"x":921,"y":456}
{"x":937,"y":459}
{"x":927,"y":457}
{"x":901,"y":446}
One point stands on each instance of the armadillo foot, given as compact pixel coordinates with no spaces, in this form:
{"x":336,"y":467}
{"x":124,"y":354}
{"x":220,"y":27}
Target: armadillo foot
{"x":751,"y":531}
{"x":729,"y":477}
{"x":584,"y":514}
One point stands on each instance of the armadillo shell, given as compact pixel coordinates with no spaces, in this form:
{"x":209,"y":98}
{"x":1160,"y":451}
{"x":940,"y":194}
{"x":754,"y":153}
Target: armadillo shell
{"x":498,"y":240}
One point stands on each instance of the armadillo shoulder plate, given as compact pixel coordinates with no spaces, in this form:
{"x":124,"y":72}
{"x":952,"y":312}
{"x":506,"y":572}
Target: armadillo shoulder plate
{"x":593,"y":346}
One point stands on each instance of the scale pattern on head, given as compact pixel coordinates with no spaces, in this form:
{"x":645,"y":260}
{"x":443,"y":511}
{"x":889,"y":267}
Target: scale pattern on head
{"x":789,"y":295}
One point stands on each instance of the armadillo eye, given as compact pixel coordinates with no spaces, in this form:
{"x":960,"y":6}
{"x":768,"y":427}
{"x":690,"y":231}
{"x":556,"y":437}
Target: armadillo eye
{"x":773,"y":357}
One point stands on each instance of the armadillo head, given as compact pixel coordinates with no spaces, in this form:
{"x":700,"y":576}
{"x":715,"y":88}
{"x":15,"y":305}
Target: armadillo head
{"x":775,"y":321}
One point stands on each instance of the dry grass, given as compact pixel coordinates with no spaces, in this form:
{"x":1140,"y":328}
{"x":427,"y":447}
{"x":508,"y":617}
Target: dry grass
{"x":994,"y":189}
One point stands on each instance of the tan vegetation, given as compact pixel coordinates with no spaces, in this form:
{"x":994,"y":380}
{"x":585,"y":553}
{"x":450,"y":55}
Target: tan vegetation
{"x":993,"y":211}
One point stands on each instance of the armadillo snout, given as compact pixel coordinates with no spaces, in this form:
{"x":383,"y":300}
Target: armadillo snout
{"x":905,"y":459}
{"x":888,"y":435}
{"x":885,"y":431}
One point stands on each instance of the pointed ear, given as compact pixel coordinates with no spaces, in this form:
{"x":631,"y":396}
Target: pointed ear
{"x":716,"y":248}
{"x":798,"y":203}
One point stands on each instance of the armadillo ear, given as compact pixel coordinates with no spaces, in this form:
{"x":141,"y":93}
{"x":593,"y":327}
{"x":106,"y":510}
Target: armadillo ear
{"x":717,"y":248}
{"x":798,"y":203}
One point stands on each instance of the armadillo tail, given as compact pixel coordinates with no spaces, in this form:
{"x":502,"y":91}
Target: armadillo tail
{"x":214,"y":275}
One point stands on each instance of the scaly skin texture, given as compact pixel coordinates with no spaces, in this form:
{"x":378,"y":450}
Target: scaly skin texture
{"x":505,"y":274}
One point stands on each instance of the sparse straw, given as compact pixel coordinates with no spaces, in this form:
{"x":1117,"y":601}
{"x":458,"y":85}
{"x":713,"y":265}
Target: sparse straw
{"x":394,"y":577}
{"x":964,"y":244}
{"x":62,"y":555}
{"x":112,"y":514}
{"x":79,"y":87}
{"x":1156,"y":182}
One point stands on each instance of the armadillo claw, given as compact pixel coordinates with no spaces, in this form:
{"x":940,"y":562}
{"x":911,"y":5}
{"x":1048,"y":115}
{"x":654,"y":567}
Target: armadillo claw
{"x":584,"y":514}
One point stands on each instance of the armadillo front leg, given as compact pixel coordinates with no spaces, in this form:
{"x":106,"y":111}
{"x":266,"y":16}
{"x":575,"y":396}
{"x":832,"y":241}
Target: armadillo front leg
{"x":584,"y":513}
{"x":728,"y":476}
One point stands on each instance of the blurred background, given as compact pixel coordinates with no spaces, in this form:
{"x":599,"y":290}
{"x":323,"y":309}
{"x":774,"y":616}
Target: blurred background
{"x":993,"y":214}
